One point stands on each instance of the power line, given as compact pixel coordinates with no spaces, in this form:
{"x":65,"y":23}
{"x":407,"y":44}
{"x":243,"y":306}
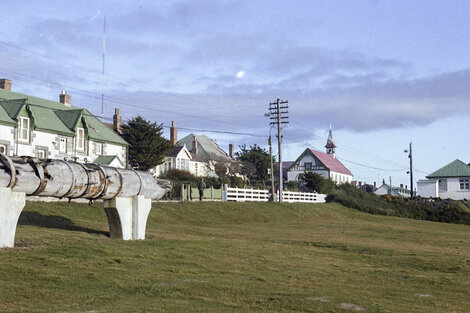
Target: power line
{"x":197,"y":129}
{"x":113,"y":100}
{"x":372,"y":167}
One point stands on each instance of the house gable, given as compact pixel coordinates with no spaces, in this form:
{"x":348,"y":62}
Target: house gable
{"x":456,"y":168}
{"x":317,"y":164}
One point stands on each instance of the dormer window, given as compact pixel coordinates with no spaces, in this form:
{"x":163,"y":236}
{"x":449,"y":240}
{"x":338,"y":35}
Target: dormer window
{"x":80,"y":139}
{"x":23,"y":129}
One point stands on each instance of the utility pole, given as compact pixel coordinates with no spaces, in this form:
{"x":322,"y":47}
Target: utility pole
{"x":272,"y":167}
{"x":277,"y":111}
{"x":410,"y":156}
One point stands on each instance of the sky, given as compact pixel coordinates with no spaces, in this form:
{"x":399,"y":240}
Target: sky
{"x":381,"y":73}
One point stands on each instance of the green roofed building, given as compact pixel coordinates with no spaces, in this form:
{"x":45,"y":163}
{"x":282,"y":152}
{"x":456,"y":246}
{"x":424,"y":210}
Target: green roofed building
{"x":449,"y":182}
{"x":31,"y":126}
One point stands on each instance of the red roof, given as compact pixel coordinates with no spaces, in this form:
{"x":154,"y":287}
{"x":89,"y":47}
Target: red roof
{"x":331,"y":163}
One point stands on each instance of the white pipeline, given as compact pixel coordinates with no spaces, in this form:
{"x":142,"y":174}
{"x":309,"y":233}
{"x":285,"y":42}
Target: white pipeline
{"x":68,"y":179}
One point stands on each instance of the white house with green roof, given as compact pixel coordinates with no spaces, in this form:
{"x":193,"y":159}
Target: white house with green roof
{"x":31,"y":126}
{"x":449,"y":182}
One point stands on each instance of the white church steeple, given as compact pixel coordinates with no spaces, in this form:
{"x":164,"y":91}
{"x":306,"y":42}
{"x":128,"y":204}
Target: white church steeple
{"x":330,"y":144}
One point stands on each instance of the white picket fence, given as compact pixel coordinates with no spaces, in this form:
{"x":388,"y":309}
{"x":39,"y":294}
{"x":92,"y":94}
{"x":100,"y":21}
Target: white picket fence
{"x":245,"y":195}
{"x":308,"y":197}
{"x":261,"y":195}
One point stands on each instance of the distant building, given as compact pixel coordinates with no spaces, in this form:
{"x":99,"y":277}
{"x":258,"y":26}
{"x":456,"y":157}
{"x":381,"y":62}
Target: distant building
{"x":325,"y":164}
{"x":181,"y":159}
{"x":449,"y":182}
{"x":35,"y":127}
{"x":395,"y":191}
{"x":196,"y":154}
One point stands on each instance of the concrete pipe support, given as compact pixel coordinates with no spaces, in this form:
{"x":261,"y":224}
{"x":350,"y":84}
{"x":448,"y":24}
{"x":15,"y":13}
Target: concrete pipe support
{"x":127,"y":194}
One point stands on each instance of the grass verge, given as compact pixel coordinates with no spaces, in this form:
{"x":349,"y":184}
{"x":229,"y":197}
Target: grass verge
{"x":235,"y":257}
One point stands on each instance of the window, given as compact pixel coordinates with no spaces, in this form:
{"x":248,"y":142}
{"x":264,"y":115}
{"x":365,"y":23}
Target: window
{"x":464,"y":184}
{"x":308,"y":166}
{"x":3,"y":149}
{"x":80,"y":140}
{"x":41,"y":154}
{"x":196,"y":170}
{"x":442,"y":185}
{"x":62,"y":145}
{"x":99,"y":149}
{"x":23,"y":129}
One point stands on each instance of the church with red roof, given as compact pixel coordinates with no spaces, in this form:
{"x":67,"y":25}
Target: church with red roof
{"x":323,"y":163}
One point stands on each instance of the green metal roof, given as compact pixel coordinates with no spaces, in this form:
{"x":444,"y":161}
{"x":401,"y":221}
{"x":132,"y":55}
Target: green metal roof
{"x":46,"y":120}
{"x":54,"y":117}
{"x":13,"y":107}
{"x":456,"y":168}
{"x":98,"y":131}
{"x":106,"y":159}
{"x":69,"y":117}
{"x":5,"y":118}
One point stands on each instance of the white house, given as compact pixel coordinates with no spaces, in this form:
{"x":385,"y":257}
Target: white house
{"x":449,"y":182}
{"x":31,"y":126}
{"x":394,"y":191}
{"x":181,"y":159}
{"x":322,"y":163}
{"x":196,"y":154}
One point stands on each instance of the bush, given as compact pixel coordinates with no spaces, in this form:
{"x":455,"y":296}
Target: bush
{"x":316,"y":182}
{"x":447,"y":211}
{"x":293,"y":186}
{"x":179,"y":177}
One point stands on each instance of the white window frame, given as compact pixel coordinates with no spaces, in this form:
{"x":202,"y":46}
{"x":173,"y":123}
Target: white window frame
{"x":99,"y":148}
{"x":464,"y":184}
{"x":62,"y":145}
{"x":23,"y":132}
{"x":5,"y":149}
{"x":80,"y":140}
{"x":42,"y":154}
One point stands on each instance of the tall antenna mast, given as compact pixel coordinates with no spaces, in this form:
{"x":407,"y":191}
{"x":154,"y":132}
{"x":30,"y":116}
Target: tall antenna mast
{"x":104,"y":56}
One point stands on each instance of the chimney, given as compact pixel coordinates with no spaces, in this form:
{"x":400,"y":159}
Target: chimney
{"x":117,"y":121}
{"x":173,"y":133}
{"x":406,"y":187}
{"x":64,"y":98}
{"x":360,"y":183}
{"x":5,"y":84}
{"x":401,"y":186}
{"x":383,"y":181}
{"x":230,"y":150}
{"x":195,"y":145}
{"x":375,"y":184}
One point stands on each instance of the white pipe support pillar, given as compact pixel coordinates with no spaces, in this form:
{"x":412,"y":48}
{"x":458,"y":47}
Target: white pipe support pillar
{"x":11,"y":205}
{"x":127,"y":217}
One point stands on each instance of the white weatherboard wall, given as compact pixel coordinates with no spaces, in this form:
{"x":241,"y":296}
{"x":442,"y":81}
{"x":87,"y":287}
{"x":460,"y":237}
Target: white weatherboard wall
{"x":428,"y":188}
{"x":7,"y":138}
{"x":453,"y":190}
{"x":50,"y":142}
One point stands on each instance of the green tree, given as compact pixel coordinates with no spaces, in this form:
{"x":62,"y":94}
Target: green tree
{"x":147,"y":146}
{"x":259,"y":158}
{"x":318,"y":183}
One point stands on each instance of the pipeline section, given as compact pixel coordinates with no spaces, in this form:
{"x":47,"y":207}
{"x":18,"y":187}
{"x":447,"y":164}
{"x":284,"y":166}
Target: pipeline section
{"x":69,"y":179}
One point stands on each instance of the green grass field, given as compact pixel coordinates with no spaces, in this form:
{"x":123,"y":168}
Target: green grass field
{"x":235,"y":257}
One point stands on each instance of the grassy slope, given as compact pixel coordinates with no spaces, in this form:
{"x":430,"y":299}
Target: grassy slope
{"x":234,"y":257}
